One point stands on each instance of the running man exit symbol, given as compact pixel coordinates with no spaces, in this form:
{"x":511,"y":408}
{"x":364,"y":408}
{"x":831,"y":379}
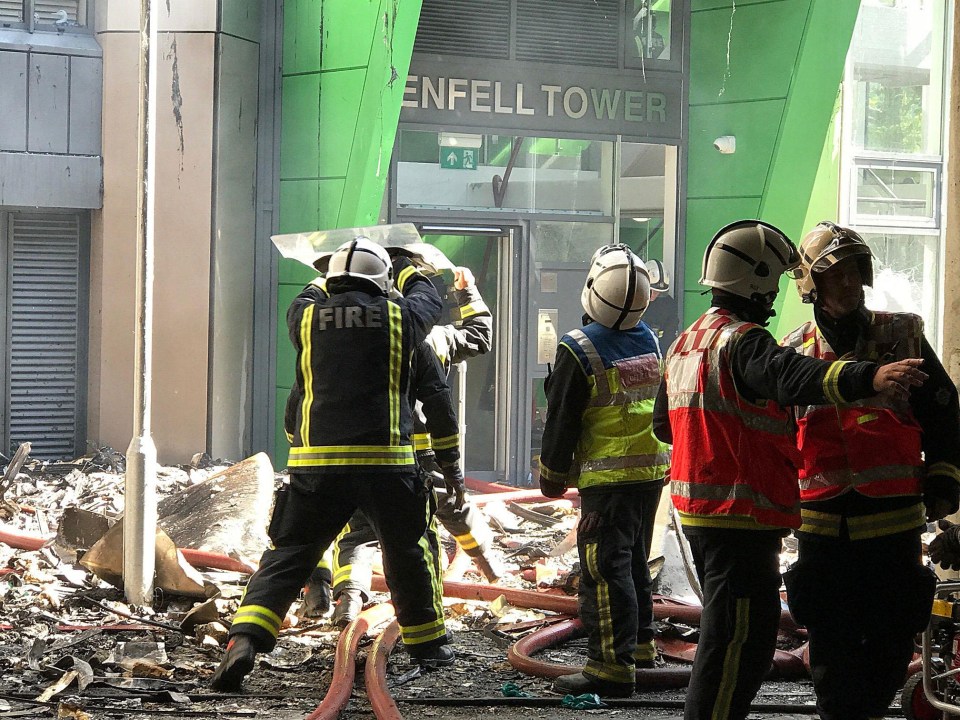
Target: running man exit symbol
{"x":454,"y":158}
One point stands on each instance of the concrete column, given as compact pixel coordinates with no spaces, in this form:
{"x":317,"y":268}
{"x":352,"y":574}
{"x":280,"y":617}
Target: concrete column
{"x":951,"y":255}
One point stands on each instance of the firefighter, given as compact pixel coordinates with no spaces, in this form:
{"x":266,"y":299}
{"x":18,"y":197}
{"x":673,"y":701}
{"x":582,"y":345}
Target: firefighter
{"x":350,"y":419}
{"x":723,"y":406}
{"x":468,"y":335}
{"x":872,"y":472}
{"x":662,"y":316}
{"x":598,"y":436}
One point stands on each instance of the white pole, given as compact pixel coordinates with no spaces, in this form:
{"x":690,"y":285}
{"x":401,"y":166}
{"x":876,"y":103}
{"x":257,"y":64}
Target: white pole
{"x":462,"y":412}
{"x":140,"y":507}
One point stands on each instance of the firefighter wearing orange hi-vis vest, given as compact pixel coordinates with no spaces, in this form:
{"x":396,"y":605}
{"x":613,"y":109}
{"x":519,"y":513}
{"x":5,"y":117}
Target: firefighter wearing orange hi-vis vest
{"x":872,"y":473}
{"x":724,"y":406}
{"x":350,"y":425}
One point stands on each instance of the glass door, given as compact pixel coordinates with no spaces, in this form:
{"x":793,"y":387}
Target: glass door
{"x":481,"y":386}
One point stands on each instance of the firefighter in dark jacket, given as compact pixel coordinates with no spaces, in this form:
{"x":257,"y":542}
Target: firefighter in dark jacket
{"x":723,"y":406}
{"x":351,"y":449}
{"x":356,"y":547}
{"x":872,"y":473}
{"x":468,"y":335}
{"x":598,"y":436}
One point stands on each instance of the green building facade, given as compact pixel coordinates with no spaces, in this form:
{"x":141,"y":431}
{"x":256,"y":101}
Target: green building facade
{"x":360,"y":145}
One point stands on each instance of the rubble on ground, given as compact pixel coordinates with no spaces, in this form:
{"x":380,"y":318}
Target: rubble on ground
{"x":71,"y":647}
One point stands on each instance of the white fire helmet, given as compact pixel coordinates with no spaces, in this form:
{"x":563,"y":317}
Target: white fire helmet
{"x":659,"y":280}
{"x":747,"y":258}
{"x":617,"y":290}
{"x":362,"y":259}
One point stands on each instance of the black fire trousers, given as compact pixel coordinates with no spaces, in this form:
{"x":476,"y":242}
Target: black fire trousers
{"x":309,"y":513}
{"x":616,"y":604}
{"x":356,"y":547}
{"x":739,"y":572}
{"x":863,"y":602}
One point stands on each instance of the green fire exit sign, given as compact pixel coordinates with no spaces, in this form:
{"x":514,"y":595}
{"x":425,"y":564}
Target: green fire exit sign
{"x":458,"y":158}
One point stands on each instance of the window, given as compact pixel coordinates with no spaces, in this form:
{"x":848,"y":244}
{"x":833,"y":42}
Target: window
{"x":648,"y":32}
{"x":892,"y":153}
{"x":61,"y":14}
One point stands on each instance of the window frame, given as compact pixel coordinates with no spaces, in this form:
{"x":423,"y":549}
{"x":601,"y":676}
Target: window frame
{"x":29,"y":24}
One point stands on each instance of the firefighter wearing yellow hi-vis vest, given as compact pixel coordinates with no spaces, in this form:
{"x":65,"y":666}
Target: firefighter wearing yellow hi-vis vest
{"x":599,"y":437}
{"x":350,"y":420}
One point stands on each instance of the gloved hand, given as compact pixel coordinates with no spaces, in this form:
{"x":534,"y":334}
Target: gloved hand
{"x":941,"y":496}
{"x":945,"y":547}
{"x":453,"y":479}
{"x":462,"y":278}
{"x":550,"y":489}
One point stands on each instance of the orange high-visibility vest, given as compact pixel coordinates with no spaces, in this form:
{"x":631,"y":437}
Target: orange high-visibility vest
{"x":872,"y":446}
{"x":733,"y":460}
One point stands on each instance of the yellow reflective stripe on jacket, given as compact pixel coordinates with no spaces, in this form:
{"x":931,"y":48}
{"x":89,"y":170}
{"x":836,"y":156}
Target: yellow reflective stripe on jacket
{"x":306,"y":369}
{"x":259,"y":615}
{"x":728,"y":493}
{"x":334,"y":455}
{"x":553,"y":476}
{"x":944,"y":468}
{"x":863,"y":527}
{"x":421,"y":441}
{"x":831,"y":382}
{"x":404,"y":276}
{"x":733,"y":522}
{"x":446,"y":443}
{"x":479,"y":307}
{"x":396,"y":367}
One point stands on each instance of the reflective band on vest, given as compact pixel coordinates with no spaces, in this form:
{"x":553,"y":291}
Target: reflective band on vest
{"x":617,"y":444}
{"x":873,"y":445}
{"x":732,"y":459}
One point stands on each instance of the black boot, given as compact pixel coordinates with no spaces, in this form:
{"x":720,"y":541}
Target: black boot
{"x":349,"y":604}
{"x":580,"y":684}
{"x":236,"y":664}
{"x":432,"y":655}
{"x":317,"y":594}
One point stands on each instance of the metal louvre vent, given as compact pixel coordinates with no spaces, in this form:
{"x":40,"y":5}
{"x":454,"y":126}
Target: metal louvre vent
{"x":44,"y":326}
{"x":475,"y":28}
{"x":11,"y":11}
{"x":572,"y":32}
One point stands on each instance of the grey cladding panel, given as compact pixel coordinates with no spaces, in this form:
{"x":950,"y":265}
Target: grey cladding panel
{"x":477,"y":28}
{"x":86,"y":93}
{"x":50,"y":181}
{"x":570,"y":31}
{"x":13,"y":111}
{"x":43,"y":395}
{"x":241,"y":18}
{"x":49,"y":103}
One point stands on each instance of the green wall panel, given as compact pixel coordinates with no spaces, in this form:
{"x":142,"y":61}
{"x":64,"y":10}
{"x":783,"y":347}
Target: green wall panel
{"x":298,"y":205}
{"x":704,"y":218}
{"x":343,"y":48}
{"x":300,"y":113}
{"x":340,"y":99}
{"x":343,"y":78}
{"x":698,"y":5}
{"x":778,"y":92}
{"x":763,"y":49}
{"x":301,"y":36}
{"x":755,"y":125}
